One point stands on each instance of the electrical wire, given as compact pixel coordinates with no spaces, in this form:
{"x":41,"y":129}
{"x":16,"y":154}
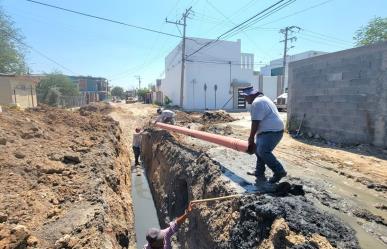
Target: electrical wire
{"x":271,"y":12}
{"x":328,"y":37}
{"x":36,"y":51}
{"x":295,"y":13}
{"x":243,"y":24}
{"x":103,"y":18}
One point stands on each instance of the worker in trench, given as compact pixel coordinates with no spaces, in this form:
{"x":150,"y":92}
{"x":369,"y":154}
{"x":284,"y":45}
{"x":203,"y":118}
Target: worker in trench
{"x":161,"y":239}
{"x":136,"y":145}
{"x":166,"y":116}
{"x":266,"y":132}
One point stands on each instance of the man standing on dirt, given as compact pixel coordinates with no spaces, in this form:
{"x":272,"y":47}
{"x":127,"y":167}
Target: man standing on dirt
{"x":136,"y":145}
{"x":267,"y":126}
{"x":161,"y":239}
{"x":166,"y":116}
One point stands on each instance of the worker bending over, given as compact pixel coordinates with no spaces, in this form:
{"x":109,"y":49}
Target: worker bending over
{"x":166,"y":116}
{"x":161,"y":239}
{"x":268,"y":128}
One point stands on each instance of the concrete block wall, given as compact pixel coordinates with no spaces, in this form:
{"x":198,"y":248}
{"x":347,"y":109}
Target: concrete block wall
{"x":343,"y":95}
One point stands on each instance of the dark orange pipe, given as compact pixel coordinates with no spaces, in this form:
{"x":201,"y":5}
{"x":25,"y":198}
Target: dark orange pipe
{"x":229,"y":142}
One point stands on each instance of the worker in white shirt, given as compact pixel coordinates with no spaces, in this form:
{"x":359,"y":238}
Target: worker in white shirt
{"x":166,"y":116}
{"x":136,"y":145}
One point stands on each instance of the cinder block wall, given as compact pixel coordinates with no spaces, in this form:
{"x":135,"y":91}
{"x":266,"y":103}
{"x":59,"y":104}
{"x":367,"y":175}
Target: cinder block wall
{"x":343,"y":95}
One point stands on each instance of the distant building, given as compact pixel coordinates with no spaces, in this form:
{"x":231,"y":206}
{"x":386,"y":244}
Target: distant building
{"x":18,"y":90}
{"x":275,"y":68}
{"x":93,"y":88}
{"x":213,"y":77}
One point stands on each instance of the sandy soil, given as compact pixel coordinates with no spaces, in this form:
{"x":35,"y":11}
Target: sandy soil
{"x":65,"y":180}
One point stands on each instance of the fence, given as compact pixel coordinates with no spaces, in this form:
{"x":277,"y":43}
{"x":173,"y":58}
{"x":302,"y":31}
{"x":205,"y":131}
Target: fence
{"x":54,"y":99}
{"x":71,"y":101}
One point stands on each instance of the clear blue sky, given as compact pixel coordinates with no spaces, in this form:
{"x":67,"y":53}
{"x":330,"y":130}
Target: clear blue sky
{"x":97,"y":48}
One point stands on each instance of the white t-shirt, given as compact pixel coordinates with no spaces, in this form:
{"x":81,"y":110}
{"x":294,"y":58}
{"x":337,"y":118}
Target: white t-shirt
{"x":165,"y":114}
{"x":136,"y":140}
{"x":264,"y":110}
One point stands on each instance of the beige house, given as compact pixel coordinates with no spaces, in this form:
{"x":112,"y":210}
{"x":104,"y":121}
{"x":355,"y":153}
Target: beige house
{"x":18,"y":90}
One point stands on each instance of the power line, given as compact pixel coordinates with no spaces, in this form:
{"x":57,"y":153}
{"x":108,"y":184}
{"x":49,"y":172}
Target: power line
{"x":238,"y":26}
{"x":103,"y":18}
{"x":327,"y":37}
{"x":271,"y":12}
{"x":36,"y":51}
{"x":228,"y":19}
{"x":295,"y":13}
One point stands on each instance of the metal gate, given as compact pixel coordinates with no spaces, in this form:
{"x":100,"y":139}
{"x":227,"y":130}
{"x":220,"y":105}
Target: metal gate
{"x":241,"y":100}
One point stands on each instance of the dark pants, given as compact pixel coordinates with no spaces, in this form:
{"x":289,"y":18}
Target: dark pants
{"x":136,"y":152}
{"x":266,"y":143}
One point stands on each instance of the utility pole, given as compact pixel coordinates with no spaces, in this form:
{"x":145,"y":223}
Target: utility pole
{"x":287,"y":31}
{"x":182,"y":22}
{"x":138,"y":77}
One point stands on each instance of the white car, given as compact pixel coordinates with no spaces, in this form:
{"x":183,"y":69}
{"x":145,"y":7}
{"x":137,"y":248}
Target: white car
{"x":281,"y":102}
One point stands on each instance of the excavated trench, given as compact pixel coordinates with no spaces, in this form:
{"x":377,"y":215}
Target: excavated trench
{"x":177,"y":174}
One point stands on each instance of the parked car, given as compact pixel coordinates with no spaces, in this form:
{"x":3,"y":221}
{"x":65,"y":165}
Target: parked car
{"x":281,"y":102}
{"x":131,"y":100}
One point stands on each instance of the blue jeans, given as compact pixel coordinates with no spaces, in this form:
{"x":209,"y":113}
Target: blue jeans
{"x":266,"y":143}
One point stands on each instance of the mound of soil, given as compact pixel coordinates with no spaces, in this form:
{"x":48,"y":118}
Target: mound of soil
{"x":64,"y":181}
{"x":216,"y":117}
{"x":99,"y":107}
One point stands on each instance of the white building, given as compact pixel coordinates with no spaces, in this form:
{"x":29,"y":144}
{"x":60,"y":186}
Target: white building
{"x":213,"y":76}
{"x":276,"y":66}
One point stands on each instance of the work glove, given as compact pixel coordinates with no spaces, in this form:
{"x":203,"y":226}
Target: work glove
{"x":251,"y":148}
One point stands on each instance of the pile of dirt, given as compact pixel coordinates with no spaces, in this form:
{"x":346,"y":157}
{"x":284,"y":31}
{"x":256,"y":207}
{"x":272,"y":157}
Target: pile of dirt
{"x":184,"y":118}
{"x":216,"y":117}
{"x":216,"y":129}
{"x":64,"y":181}
{"x":302,"y":223}
{"x":98,"y":107}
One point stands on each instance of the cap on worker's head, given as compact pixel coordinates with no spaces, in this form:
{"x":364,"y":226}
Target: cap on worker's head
{"x":155,"y":237}
{"x":249,"y":91}
{"x":159,"y":110}
{"x":138,"y":130}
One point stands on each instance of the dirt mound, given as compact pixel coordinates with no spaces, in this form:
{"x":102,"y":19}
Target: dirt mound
{"x":259,"y":213}
{"x":99,"y":107}
{"x":184,"y":118}
{"x":63,"y":181}
{"x":216,"y":117}
{"x":220,"y":130}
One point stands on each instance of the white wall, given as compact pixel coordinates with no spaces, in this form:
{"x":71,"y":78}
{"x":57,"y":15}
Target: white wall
{"x":170,"y":85}
{"x":211,"y":65}
{"x":269,"y":86}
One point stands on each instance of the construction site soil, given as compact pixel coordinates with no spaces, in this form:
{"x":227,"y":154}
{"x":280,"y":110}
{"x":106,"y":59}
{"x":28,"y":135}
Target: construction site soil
{"x":65,"y":180}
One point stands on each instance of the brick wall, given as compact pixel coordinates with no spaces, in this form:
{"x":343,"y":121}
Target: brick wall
{"x":343,"y":95}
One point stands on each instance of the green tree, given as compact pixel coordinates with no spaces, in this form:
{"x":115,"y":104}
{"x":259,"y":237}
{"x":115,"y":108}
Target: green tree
{"x":375,"y":31}
{"x":118,"y":92}
{"x":142,"y":92}
{"x":53,"y":86}
{"x":12,"y":52}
